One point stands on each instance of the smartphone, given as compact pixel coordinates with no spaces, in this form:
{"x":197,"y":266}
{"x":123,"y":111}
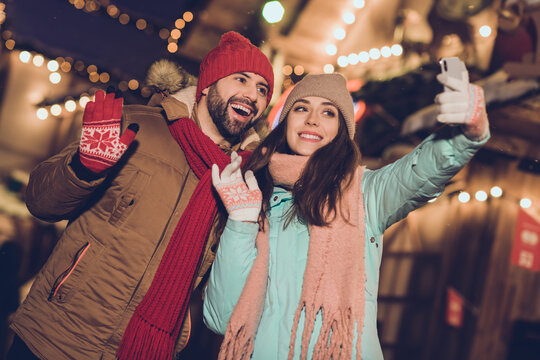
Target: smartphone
{"x":455,"y":68}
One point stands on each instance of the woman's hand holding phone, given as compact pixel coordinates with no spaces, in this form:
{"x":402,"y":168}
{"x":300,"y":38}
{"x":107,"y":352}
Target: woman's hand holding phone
{"x":461,"y":103}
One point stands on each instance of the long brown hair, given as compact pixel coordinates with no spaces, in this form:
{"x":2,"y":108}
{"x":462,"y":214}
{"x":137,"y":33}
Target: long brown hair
{"x":328,"y":172}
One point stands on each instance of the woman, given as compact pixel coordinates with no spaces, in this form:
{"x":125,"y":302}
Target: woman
{"x":304,"y":282}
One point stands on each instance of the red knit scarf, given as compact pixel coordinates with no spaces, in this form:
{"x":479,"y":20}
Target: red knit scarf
{"x":154,"y":327}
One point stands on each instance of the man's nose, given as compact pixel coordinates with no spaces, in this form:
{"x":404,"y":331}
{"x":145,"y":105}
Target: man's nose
{"x":250,"y":92}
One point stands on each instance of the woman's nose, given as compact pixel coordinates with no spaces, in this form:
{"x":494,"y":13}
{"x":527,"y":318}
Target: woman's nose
{"x":312,"y":119}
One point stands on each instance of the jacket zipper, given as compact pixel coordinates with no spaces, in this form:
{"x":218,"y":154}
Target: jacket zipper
{"x":65,"y":275}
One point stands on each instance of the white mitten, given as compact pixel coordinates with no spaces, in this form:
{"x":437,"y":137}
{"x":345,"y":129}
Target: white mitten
{"x":464,"y":104}
{"x":242,"y":199}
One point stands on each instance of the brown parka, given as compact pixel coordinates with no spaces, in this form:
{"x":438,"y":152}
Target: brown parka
{"x":119,"y":227}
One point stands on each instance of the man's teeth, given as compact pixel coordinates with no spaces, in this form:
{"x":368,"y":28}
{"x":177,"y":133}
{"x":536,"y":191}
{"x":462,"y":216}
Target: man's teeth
{"x":242,"y":108}
{"x":310,"y":136}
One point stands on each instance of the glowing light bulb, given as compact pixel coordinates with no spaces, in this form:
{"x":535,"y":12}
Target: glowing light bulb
{"x":386,"y":51}
{"x":328,"y":68}
{"x":464,"y":197}
{"x":485,"y":31}
{"x":375,"y":53}
{"x":343,"y":61}
{"x":25,"y":56}
{"x":84,"y":100}
{"x":359,"y":4}
{"x":349,"y":17}
{"x":70,"y":105}
{"x":56,"y":110}
{"x":273,"y":12}
{"x":480,"y":195}
{"x":396,"y":50}
{"x":38,"y":60}
{"x":298,"y":70}
{"x":52,"y":65}
{"x":331,"y":49}
{"x":496,"y":191}
{"x":340,"y":33}
{"x":55,"y":78}
{"x":42,"y":113}
{"x":363,"y":56}
{"x":353,"y":59}
{"x":287,"y":70}
{"x":525,"y":203}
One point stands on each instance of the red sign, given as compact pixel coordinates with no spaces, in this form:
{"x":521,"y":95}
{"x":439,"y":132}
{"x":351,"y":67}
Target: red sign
{"x":454,"y":308}
{"x":526,"y":249}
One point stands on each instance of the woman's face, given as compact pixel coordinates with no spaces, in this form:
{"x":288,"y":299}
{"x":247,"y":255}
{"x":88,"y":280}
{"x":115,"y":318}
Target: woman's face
{"x":312,"y":123}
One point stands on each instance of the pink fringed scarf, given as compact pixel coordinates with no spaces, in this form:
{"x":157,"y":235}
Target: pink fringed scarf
{"x":334,"y":279}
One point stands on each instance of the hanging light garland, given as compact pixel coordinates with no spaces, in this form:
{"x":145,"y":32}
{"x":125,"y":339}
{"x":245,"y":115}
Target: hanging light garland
{"x":98,"y":76}
{"x":343,"y":61}
{"x":495,"y":192}
{"x":105,"y":7}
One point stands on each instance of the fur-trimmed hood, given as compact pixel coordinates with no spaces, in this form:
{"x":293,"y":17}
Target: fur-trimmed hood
{"x":167,"y":77}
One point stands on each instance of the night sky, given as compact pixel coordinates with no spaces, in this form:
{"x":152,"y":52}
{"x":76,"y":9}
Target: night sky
{"x":56,"y":28}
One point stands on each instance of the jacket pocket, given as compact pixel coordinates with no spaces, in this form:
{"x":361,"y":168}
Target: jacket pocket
{"x":70,"y":279}
{"x":129,"y":198}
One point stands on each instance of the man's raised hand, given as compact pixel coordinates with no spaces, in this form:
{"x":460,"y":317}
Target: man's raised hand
{"x":101,"y":145}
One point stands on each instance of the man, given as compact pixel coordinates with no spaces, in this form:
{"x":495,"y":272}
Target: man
{"x":140,"y":208}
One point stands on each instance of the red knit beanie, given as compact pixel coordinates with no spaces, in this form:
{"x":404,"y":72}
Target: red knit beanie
{"x":234,"y":54}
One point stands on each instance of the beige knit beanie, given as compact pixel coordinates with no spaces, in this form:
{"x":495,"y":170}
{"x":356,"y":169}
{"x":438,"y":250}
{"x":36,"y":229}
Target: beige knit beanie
{"x":329,"y":86}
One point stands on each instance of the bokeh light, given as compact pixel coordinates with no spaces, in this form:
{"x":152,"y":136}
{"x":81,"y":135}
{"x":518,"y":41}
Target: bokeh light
{"x":52,"y":65}
{"x":331,"y":49}
{"x":38,"y":60}
{"x":25,"y":56}
{"x":464,"y":197}
{"x":349,"y":17}
{"x":273,"y":12}
{"x":340,"y":33}
{"x":70,"y":105}
{"x":480,"y":195}
{"x":525,"y":203}
{"x":485,"y":31}
{"x":496,"y":191}
{"x":56,"y":110}
{"x":55,"y":78}
{"x":42,"y":113}
{"x":328,"y":68}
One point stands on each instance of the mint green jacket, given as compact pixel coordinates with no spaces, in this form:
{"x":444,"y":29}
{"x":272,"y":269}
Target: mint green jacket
{"x":390,"y":193}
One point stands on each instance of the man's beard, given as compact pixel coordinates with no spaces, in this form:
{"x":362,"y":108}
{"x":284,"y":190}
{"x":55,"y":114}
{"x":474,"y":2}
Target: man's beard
{"x":218,"y":109}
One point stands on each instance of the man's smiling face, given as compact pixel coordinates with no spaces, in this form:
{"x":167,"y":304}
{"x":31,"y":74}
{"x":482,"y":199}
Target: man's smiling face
{"x":236,"y":102}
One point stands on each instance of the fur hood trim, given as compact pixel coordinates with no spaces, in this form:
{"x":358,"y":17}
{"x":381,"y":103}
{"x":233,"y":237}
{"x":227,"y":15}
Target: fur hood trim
{"x":168,"y":77}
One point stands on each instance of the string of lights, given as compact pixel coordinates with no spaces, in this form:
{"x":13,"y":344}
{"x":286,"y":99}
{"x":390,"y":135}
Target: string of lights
{"x":59,"y":65}
{"x":105,"y":7}
{"x":339,"y":34}
{"x":495,"y":192}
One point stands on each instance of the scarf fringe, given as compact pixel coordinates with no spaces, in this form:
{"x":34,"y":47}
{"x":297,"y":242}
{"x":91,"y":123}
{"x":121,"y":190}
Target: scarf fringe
{"x":335,"y":340}
{"x":144,"y":339}
{"x":237,"y":345}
